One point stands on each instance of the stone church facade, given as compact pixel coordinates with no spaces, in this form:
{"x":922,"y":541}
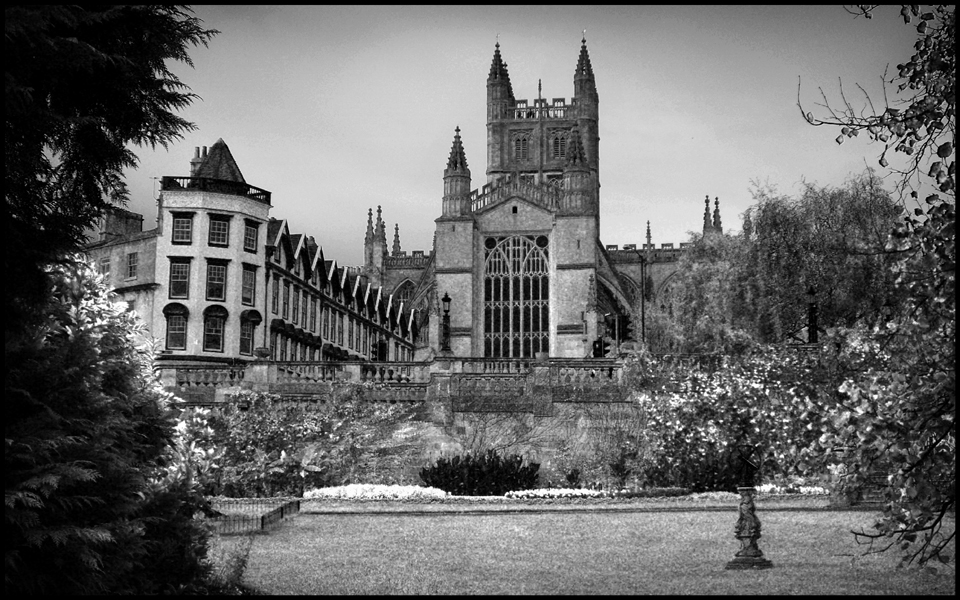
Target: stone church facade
{"x":520,"y":256}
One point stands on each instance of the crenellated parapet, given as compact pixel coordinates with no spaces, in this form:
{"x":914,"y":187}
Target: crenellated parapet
{"x":557,"y":108}
{"x":630,"y":253}
{"x":417,"y":260}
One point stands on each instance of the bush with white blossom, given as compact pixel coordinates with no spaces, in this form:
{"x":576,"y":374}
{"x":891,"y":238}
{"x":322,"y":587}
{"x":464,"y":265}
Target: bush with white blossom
{"x":806,"y":490}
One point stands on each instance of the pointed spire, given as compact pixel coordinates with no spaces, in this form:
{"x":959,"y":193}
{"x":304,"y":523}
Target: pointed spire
{"x":396,"y":239}
{"x":457,"y":160}
{"x":584,"y":68}
{"x":369,"y":236}
{"x":456,"y":181}
{"x":707,"y":224}
{"x":576,"y":157}
{"x":381,"y":233}
{"x":716,"y":216}
{"x":648,"y":235}
{"x":498,"y":68}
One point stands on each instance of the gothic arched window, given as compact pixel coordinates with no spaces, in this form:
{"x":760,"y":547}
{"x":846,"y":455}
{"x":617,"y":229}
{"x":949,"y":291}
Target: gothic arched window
{"x":403,"y":294}
{"x":521,"y":147}
{"x":516,"y":302}
{"x":560,"y":145}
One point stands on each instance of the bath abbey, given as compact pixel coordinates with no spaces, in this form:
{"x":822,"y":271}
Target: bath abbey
{"x":517,"y":269}
{"x":519,"y":257}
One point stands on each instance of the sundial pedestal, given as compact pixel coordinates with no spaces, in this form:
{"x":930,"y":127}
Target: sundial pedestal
{"x":747,"y":531}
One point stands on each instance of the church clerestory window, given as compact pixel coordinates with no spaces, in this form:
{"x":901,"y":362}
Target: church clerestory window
{"x":516,"y":296}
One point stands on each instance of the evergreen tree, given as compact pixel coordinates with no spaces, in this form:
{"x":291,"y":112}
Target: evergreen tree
{"x":82,"y":84}
{"x":85,"y":429}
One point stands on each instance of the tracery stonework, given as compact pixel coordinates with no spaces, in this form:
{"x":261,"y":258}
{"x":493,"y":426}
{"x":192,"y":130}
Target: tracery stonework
{"x":516,"y":296}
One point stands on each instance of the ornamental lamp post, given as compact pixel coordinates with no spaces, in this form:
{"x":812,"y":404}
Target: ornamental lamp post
{"x":445,"y":341}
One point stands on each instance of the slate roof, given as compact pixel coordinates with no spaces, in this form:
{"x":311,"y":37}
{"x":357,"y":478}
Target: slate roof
{"x":219,"y":164}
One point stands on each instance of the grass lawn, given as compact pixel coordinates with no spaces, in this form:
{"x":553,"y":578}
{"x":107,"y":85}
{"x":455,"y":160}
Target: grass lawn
{"x":602,"y":552}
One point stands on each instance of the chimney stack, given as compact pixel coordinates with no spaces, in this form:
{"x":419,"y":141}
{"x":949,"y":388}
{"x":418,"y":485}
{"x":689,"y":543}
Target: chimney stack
{"x":195,"y":162}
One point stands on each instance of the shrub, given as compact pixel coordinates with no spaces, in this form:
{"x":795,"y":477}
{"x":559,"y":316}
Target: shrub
{"x":176,"y":542}
{"x":88,"y":435}
{"x":705,"y":469}
{"x":573,"y":478}
{"x":486,"y":474}
{"x":695,"y":419}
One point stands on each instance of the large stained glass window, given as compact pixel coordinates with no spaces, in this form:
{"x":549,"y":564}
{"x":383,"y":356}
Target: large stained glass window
{"x":516,"y":301}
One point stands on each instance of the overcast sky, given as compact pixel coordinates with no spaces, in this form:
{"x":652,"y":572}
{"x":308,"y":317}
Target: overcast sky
{"x":339,"y":109}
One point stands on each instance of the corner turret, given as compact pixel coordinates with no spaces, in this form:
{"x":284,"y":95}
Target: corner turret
{"x":374,"y":248}
{"x":716,"y":216}
{"x":587,"y":103}
{"x":499,"y":90}
{"x":396,"y":240}
{"x":711,"y":226}
{"x":456,"y":181}
{"x":578,"y":188}
{"x":707,"y":223}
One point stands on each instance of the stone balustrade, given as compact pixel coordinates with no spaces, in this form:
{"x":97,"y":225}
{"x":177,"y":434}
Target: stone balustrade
{"x":500,"y":366}
{"x":531,"y":385}
{"x":209,"y":376}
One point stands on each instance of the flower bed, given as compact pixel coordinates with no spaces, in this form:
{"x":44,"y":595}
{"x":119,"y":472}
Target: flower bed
{"x":399,"y":499}
{"x":369,"y":492}
{"x":553,"y":493}
{"x":359,"y":491}
{"x":806,"y":490}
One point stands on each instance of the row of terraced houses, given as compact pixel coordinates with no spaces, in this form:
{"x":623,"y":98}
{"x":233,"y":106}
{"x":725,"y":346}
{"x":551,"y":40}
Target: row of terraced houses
{"x":218,"y":280}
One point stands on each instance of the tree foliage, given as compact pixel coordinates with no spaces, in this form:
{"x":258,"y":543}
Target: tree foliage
{"x":920,"y":121}
{"x":827,"y":246}
{"x":731,"y":292}
{"x":766,"y":403}
{"x":88,"y":508}
{"x":82,"y":84}
{"x":898,"y":408}
{"x":700,"y":313}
